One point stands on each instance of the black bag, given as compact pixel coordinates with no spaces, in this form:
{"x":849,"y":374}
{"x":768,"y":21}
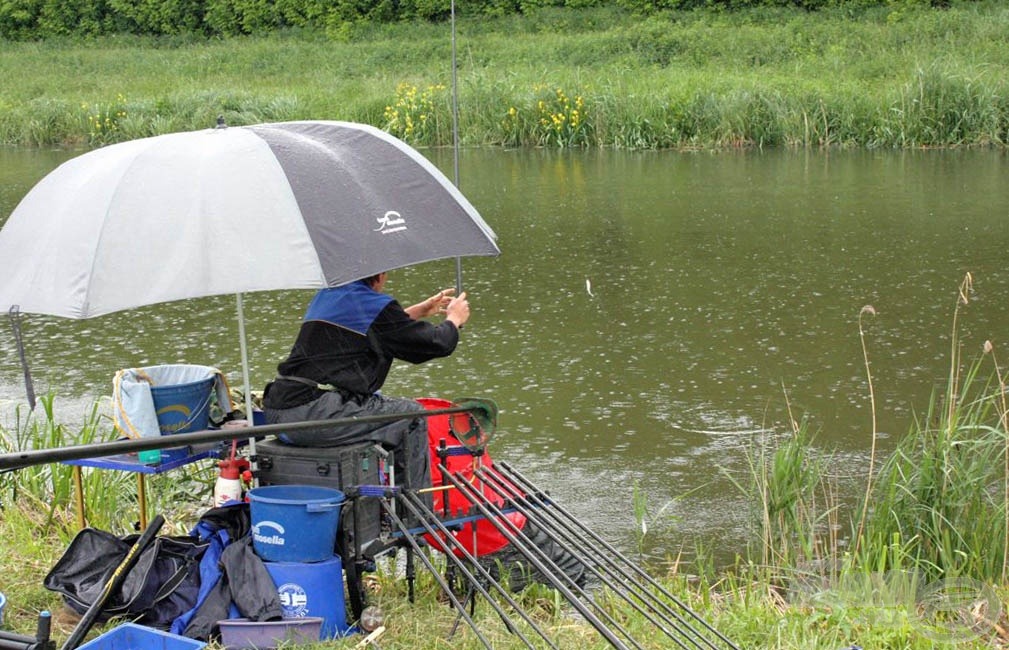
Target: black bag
{"x":163,"y":584}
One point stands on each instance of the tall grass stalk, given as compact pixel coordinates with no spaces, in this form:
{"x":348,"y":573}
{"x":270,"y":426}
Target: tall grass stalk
{"x":1003,"y":412}
{"x":936,"y":505}
{"x":867,"y":310}
{"x":796,"y":503}
{"x":943,"y":494}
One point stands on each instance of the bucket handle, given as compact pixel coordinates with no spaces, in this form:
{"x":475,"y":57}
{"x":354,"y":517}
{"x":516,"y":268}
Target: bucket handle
{"x":322,"y":507}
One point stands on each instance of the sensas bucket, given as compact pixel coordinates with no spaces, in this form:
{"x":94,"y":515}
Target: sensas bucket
{"x":294,"y":523}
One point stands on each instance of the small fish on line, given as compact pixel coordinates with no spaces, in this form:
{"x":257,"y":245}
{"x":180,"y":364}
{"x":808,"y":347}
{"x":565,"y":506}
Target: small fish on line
{"x":588,"y":288}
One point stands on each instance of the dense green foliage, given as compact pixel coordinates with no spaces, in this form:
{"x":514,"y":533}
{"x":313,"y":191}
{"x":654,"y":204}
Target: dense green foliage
{"x":897,"y":76}
{"x":40,"y":19}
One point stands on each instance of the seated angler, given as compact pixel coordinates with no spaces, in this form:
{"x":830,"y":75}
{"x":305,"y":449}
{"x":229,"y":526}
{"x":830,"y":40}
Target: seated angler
{"x":345,"y":348}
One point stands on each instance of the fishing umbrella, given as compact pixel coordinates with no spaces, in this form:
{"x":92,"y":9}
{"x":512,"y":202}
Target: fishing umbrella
{"x":307,"y":204}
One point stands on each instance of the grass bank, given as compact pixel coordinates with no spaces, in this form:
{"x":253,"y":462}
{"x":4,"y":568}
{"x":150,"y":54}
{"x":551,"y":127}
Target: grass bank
{"x":885,"y":77}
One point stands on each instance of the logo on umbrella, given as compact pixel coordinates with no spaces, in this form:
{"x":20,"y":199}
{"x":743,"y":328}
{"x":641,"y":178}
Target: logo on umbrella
{"x":390,"y":222}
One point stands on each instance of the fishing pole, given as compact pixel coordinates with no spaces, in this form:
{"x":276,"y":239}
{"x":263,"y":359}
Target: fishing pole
{"x":547,"y":521}
{"x":564,"y":544}
{"x":15,"y":317}
{"x":434,"y":572}
{"x":548,"y":569}
{"x":113,"y":584}
{"x":525,"y":484}
{"x":634,"y":594}
{"x":27,"y":458}
{"x":418,"y":509}
{"x":455,"y":137}
{"x":632,"y":581}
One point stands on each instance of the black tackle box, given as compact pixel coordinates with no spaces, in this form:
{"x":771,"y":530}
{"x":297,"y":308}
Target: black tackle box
{"x":334,"y":467}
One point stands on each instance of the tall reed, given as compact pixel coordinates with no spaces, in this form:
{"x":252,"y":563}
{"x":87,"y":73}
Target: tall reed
{"x":110,"y":496}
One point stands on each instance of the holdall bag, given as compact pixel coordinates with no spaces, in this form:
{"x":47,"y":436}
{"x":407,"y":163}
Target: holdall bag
{"x":163,"y":583}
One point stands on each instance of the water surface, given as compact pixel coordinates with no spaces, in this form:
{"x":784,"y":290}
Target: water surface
{"x":652,"y":317}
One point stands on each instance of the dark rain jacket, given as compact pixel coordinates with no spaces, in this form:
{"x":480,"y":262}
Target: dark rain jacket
{"x":233,"y":578}
{"x":349,"y":338}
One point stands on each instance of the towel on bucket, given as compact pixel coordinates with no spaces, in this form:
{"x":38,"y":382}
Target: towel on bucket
{"x":133,"y":402}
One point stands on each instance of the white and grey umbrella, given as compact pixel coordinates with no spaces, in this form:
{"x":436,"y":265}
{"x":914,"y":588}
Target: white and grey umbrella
{"x":298,"y":204}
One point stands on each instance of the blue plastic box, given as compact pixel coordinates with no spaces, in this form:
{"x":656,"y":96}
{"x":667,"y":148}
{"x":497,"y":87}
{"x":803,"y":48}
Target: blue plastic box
{"x":130,"y":636}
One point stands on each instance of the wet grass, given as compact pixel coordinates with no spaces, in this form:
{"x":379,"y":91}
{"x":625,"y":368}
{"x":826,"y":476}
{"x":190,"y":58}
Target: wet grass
{"x":898,"y":76}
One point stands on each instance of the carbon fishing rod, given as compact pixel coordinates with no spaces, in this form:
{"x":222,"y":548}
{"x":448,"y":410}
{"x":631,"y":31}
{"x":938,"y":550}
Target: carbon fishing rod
{"x":30,"y":457}
{"x":434,"y":527}
{"x":631,"y":579}
{"x":544,"y":524}
{"x":626,"y":586}
{"x":525,"y":484}
{"x":640,"y":599}
{"x":455,"y":136}
{"x":547,"y":567}
{"x":113,"y":584}
{"x":434,"y":571}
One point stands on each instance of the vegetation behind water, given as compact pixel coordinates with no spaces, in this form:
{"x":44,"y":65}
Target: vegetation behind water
{"x":902,"y":75}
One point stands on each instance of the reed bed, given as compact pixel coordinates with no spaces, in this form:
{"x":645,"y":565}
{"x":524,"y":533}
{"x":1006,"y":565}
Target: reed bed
{"x":595,"y":77}
{"x":111,"y":497}
{"x":926,"y":551}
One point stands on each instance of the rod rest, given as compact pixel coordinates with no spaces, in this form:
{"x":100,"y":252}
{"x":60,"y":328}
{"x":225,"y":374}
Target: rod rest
{"x":380,"y":491}
{"x":41,"y":640}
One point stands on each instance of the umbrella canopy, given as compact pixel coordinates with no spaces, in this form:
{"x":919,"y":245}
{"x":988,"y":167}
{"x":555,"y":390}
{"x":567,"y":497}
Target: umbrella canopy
{"x":229,"y":210}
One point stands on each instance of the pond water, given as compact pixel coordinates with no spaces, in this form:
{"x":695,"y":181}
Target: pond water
{"x":652,"y":318}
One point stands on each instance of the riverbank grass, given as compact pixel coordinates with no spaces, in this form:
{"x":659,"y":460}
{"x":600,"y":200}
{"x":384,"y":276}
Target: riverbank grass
{"x":597,"y":77}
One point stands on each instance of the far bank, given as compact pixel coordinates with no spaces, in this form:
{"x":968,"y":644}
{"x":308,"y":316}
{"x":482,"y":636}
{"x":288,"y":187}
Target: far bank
{"x":601,"y":77}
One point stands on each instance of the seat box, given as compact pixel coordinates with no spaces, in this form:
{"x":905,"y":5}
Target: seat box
{"x":334,"y":467}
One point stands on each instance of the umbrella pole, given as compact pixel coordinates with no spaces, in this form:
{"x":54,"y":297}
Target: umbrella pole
{"x":245,"y":376}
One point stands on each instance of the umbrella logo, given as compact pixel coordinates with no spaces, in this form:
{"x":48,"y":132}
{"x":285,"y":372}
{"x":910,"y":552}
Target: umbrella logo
{"x":390,"y":222}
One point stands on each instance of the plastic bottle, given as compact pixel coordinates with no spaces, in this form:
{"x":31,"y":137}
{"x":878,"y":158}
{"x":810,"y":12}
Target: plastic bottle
{"x":229,"y":483}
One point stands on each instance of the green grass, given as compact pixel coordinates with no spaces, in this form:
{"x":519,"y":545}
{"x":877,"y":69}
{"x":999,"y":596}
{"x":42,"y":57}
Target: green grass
{"x":900,"y":77}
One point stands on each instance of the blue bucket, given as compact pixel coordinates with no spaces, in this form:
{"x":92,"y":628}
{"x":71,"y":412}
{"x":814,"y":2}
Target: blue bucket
{"x":312,"y":589}
{"x":294,"y":523}
{"x":182,"y":408}
{"x":3,"y":603}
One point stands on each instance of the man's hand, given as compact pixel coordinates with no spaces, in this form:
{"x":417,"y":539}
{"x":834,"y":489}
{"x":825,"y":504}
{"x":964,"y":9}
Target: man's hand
{"x":458,"y":310}
{"x":436,"y":304}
